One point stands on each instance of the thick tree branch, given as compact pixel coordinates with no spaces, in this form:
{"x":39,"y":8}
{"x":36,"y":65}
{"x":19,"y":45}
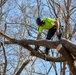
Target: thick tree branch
{"x":34,"y":53}
{"x":64,"y":47}
{"x":50,"y":44}
{"x":70,"y":46}
{"x":66,"y":54}
{"x":44,"y":57}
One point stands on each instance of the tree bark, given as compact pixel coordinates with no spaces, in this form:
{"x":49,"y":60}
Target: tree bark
{"x":2,"y":2}
{"x":22,"y":67}
{"x":65,"y":47}
{"x":67,"y":55}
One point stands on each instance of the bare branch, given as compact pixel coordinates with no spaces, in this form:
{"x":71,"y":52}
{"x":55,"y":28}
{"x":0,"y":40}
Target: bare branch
{"x":24,"y":43}
{"x":22,"y":67}
{"x":33,"y":42}
{"x":2,"y":2}
{"x":5,"y":57}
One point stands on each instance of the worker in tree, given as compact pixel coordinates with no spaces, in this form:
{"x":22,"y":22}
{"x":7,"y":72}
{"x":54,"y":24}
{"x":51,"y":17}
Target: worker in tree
{"x":52,"y":26}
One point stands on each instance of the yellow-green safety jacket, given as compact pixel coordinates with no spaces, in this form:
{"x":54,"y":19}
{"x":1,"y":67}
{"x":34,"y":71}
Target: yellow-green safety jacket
{"x":49,"y":23}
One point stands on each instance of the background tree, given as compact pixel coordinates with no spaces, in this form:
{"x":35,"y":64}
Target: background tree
{"x":17,"y":20}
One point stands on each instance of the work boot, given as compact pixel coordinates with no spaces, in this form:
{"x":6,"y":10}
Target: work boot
{"x":47,"y":52}
{"x":36,"y":48}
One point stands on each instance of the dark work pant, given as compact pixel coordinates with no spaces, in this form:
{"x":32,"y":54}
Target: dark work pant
{"x":50,"y":34}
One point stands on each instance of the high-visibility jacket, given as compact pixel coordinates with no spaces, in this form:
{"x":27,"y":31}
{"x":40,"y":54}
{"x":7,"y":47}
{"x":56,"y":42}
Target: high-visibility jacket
{"x":49,"y":23}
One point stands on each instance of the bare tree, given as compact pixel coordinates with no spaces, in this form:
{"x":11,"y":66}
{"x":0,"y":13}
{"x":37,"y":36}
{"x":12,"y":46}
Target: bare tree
{"x":17,"y":20}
